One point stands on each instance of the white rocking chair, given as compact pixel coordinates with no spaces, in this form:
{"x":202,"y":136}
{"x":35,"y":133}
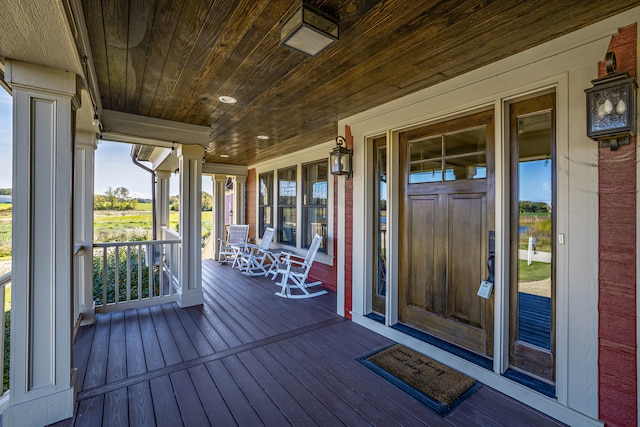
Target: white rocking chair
{"x":236,"y":238}
{"x":252,"y":258}
{"x":295,"y":268}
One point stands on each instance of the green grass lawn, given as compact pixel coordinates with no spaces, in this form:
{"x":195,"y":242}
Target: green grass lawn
{"x":110,"y":226}
{"x":534,"y":272}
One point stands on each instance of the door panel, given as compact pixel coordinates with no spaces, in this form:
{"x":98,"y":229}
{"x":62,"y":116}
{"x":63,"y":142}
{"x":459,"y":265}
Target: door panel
{"x":466,"y":254}
{"x":447,"y":210}
{"x":423,"y":220}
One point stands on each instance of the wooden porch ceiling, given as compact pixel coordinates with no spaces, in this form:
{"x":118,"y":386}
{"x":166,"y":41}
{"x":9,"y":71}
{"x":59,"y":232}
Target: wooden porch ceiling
{"x":173,"y":59}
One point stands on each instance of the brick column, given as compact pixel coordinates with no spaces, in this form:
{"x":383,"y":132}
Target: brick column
{"x":617,"y":364}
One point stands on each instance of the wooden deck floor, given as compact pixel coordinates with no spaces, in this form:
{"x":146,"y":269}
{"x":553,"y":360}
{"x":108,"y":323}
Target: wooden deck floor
{"x":247,"y":357}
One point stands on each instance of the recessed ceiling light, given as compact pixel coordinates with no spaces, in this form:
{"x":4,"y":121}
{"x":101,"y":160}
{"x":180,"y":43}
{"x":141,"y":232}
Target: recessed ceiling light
{"x":228,"y":99}
{"x":263,"y":137}
{"x":224,"y":156}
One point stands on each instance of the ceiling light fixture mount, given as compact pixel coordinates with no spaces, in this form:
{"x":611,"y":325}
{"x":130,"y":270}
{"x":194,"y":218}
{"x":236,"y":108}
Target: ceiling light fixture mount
{"x":309,"y":30}
{"x":263,"y":137}
{"x":227,"y":99}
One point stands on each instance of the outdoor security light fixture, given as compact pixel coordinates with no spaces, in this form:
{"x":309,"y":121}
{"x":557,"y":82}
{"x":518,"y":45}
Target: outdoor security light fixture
{"x":611,"y":106}
{"x":309,"y":30}
{"x":340,"y":158}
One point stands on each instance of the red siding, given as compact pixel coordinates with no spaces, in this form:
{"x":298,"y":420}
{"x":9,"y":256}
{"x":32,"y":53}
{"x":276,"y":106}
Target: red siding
{"x":348,"y":235}
{"x":617,"y":265}
{"x":250,"y":212}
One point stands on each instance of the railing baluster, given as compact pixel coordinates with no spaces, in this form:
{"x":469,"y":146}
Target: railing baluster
{"x":5,"y":285}
{"x":160,"y":271}
{"x":140,"y":292}
{"x":128,"y":273}
{"x":150,"y":263}
{"x":105,"y":285}
{"x":116,"y":298}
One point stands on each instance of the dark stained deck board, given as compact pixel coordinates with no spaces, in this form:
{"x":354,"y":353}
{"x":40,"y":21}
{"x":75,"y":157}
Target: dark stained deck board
{"x":294,"y":412}
{"x":191,"y":408}
{"x":247,"y":357}
{"x":82,"y":351}
{"x":117,"y":360}
{"x":200,"y":321}
{"x":296,"y":388}
{"x":266,"y":408}
{"x":135,"y":358}
{"x":181,"y":337}
{"x":168,"y":346}
{"x":116,"y":408}
{"x":197,"y":337}
{"x":141,"y":405}
{"x":96,"y":372}
{"x":89,"y":412}
{"x":242,"y":308}
{"x":245,"y":331}
{"x":229,"y":336}
{"x":166,"y":410}
{"x":150,"y":343}
{"x":214,"y":405}
{"x":243,"y":411}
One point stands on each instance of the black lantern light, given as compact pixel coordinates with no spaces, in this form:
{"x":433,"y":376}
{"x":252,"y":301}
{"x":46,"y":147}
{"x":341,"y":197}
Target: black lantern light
{"x":340,"y":158}
{"x":611,"y":106}
{"x":309,"y":30}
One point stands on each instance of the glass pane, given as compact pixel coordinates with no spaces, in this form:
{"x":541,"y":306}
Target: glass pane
{"x":430,"y":148}
{"x":287,"y":225}
{"x":287,"y":187}
{"x":535,"y":229}
{"x":266,"y":218}
{"x":266,"y":189}
{"x":381,"y":203}
{"x":465,"y":142}
{"x":468,"y":167}
{"x":316,"y":223}
{"x":315,"y":198}
{"x":425,"y":172}
{"x":315,"y":184}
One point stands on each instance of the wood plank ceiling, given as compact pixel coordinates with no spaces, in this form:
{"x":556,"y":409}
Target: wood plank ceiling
{"x":172,"y":59}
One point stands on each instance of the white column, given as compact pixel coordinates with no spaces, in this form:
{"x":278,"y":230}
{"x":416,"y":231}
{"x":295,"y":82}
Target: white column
{"x":42,"y":379}
{"x":84,"y":167}
{"x":218,"y":211}
{"x":239,"y":184}
{"x":162,"y":200}
{"x":190,"y":157}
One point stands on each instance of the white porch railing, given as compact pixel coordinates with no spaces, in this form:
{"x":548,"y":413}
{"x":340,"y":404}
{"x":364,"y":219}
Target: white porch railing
{"x":135,"y":274}
{"x":5,"y":288}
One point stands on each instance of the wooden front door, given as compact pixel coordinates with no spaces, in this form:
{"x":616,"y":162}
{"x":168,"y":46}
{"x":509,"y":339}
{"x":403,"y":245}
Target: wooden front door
{"x":447,"y":215}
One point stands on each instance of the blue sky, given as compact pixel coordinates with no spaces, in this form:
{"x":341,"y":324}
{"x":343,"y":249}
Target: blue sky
{"x":5,"y":139}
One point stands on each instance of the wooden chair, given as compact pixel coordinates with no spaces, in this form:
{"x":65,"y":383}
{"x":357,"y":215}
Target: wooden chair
{"x":255,"y":260}
{"x":236,"y":238}
{"x":296,"y":269}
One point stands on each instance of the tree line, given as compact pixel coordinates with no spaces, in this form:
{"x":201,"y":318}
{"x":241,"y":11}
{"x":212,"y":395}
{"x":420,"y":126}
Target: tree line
{"x":119,"y":199}
{"x":526,"y":206}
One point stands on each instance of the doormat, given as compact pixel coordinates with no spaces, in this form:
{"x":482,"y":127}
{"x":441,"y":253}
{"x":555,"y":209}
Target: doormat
{"x":433,"y":384}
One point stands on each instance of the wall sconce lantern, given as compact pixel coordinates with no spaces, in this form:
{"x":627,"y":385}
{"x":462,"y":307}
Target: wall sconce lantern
{"x":611,"y":107}
{"x":340,"y":158}
{"x":309,"y":31}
